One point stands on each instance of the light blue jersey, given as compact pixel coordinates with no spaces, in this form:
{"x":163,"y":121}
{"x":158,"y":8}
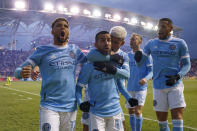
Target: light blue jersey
{"x":57,"y":67}
{"x":138,"y":72}
{"x":122,"y":72}
{"x":167,"y":56}
{"x":102,"y":89}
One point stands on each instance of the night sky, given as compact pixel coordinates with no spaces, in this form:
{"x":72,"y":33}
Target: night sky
{"x":182,"y":12}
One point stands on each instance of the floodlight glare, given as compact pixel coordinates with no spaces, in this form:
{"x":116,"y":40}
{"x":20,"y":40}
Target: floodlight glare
{"x":172,"y":32}
{"x":149,"y":26}
{"x":60,"y":8}
{"x":134,"y":21}
{"x":86,"y":12}
{"x":143,"y":23}
{"x":97,"y":13}
{"x":65,"y":10}
{"x":48,"y":7}
{"x":20,"y":5}
{"x":156,"y":28}
{"x":108,"y":16}
{"x":126,"y":19}
{"x":74,"y":10}
{"x":117,"y":17}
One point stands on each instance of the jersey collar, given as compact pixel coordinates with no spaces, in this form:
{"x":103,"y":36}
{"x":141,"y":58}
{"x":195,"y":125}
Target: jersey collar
{"x":166,"y":40}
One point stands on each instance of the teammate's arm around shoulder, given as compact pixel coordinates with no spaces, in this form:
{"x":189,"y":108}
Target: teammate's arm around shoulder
{"x":94,"y":55}
{"x":124,"y":70}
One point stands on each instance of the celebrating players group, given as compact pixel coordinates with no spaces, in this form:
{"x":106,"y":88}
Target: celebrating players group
{"x":105,"y":71}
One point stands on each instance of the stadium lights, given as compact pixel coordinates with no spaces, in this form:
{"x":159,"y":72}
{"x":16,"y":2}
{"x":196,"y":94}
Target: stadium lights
{"x":60,"y":8}
{"x":143,"y":23}
{"x":48,"y":7}
{"x":20,"y":5}
{"x":86,"y":12}
{"x":172,"y":32}
{"x":155,"y":28}
{"x":126,"y":19}
{"x":134,"y":21}
{"x":108,"y":16}
{"x":96,"y":13}
{"x":149,"y":26}
{"x":117,"y":17}
{"x":65,"y":10}
{"x":74,"y":10}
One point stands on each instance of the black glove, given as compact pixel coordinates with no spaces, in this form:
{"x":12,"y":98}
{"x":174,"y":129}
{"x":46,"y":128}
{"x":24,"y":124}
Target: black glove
{"x":106,"y":67}
{"x":117,"y":58}
{"x":138,"y":56}
{"x":85,"y":106}
{"x":172,"y":80}
{"x":133,"y":102}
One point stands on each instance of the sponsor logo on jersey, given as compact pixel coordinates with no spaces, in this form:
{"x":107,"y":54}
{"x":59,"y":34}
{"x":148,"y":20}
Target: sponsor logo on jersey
{"x":53,"y":57}
{"x":155,"y":47}
{"x":72,"y":54}
{"x":46,"y":127}
{"x":172,"y":47}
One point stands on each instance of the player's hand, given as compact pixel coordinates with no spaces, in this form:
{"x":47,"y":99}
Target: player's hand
{"x":143,"y":81}
{"x":34,"y":75}
{"x":106,"y":67}
{"x":138,"y":56}
{"x":133,"y":102}
{"x":172,"y":79}
{"x":26,"y":72}
{"x":117,"y":58}
{"x":85,"y":106}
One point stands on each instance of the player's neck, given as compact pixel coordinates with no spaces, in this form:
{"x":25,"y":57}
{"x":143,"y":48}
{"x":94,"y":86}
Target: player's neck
{"x":134,"y":50}
{"x":60,"y":44}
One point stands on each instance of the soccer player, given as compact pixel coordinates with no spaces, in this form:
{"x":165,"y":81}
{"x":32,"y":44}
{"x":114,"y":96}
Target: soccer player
{"x":57,"y":64}
{"x":104,"y":103}
{"x":167,"y":53}
{"x":8,"y":81}
{"x":138,"y":82}
{"x":118,"y":34}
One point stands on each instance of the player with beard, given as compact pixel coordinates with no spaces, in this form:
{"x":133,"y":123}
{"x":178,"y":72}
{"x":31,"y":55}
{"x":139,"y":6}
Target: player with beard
{"x":103,"y":90}
{"x":57,"y":64}
{"x":171,"y":61}
{"x":116,"y":63}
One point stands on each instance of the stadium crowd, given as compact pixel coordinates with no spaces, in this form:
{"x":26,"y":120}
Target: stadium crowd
{"x":10,"y":59}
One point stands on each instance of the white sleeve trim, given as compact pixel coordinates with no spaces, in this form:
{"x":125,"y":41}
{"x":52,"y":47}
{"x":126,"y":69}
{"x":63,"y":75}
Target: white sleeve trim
{"x":186,"y":56}
{"x":81,"y":85}
{"x":31,"y":62}
{"x":145,"y":54}
{"x":126,"y":65}
{"x":149,"y":65}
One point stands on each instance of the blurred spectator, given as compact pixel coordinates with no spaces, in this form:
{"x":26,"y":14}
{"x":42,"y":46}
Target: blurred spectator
{"x":10,"y":59}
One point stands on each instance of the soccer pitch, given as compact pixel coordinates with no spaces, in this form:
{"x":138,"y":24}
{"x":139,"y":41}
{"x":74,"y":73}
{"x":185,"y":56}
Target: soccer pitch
{"x":19,"y":108}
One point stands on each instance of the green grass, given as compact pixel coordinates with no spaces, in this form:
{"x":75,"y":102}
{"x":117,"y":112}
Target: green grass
{"x":19,"y":110}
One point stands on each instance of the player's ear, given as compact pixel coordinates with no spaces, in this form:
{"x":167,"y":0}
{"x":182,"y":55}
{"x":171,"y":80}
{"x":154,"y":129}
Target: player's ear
{"x":171,"y":27}
{"x":122,"y":42}
{"x":95,"y":44}
{"x":52,"y":32}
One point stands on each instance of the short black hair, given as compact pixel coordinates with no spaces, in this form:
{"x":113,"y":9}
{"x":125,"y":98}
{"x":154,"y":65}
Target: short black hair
{"x":57,"y":20}
{"x":166,"y":19}
{"x":99,"y":33}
